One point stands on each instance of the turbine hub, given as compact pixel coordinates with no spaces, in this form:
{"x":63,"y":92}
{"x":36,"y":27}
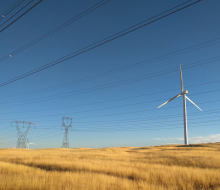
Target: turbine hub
{"x":184,"y":92}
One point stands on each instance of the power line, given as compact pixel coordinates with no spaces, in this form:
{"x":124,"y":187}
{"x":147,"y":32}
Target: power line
{"x":130,"y":129}
{"x":11,"y":9}
{"x":133,"y":104}
{"x":7,"y":143}
{"x":147,"y":110}
{"x":75,"y":18}
{"x":6,"y":132}
{"x":128,"y":121}
{"x":105,"y":101}
{"x":122,"y":82}
{"x":97,"y":44}
{"x":125,"y":98}
{"x":157,"y":127}
{"x":115,"y":123}
{"x":16,"y":13}
{"x":142,"y":125}
{"x":13,"y":136}
{"x":135,"y":124}
{"x":48,"y":136}
{"x":21,"y":15}
{"x":137,"y":119}
{"x":113,"y":71}
{"x":216,"y":111}
{"x":139,"y":127}
{"x":118,"y":129}
{"x":146,"y":119}
{"x":162,"y":128}
{"x":123,"y":113}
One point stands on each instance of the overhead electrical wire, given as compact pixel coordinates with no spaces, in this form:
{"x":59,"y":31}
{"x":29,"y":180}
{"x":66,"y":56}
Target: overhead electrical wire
{"x":16,"y":13}
{"x":131,"y":123}
{"x":14,"y":136}
{"x":216,"y":111}
{"x":61,"y":26}
{"x":96,"y":128}
{"x":97,"y":44}
{"x":100,"y":87}
{"x":108,"y":72}
{"x":148,"y":126}
{"x":164,"y":118}
{"x":140,"y":126}
{"x":5,"y":143}
{"x":126,"y":105}
{"x":126,"y":130}
{"x":113,"y":100}
{"x":63,"y":95}
{"x":29,"y":133}
{"x":47,"y":134}
{"x":68,"y":22}
{"x":152,"y":127}
{"x":130,"y":129}
{"x":107,"y":115}
{"x":21,"y":15}
{"x":145,"y":128}
{"x":3,"y":15}
{"x":91,"y":77}
{"x":117,"y":130}
{"x":162,"y":128}
{"x":155,"y":127}
{"x":147,"y":110}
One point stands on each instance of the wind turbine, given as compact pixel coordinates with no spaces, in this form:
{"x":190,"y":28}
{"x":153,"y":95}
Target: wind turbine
{"x":183,"y":93}
{"x":29,"y":144}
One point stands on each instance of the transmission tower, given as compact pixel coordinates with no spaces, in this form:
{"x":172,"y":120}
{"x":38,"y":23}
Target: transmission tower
{"x":22,"y":134}
{"x":67,"y":123}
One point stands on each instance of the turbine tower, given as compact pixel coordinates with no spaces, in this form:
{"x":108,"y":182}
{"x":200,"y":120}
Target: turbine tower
{"x":22,"y":134}
{"x":67,"y":123}
{"x":183,"y":93}
{"x":28,"y":144}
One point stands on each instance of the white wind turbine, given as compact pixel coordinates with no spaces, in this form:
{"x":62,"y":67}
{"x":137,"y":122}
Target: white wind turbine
{"x":183,"y":93}
{"x":29,"y":144}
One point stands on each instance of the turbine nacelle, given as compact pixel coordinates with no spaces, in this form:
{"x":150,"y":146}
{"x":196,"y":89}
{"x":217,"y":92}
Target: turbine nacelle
{"x":184,"y":92}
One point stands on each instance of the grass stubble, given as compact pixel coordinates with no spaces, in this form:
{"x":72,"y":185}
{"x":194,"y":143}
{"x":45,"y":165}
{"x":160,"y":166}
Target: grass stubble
{"x":153,"y":168}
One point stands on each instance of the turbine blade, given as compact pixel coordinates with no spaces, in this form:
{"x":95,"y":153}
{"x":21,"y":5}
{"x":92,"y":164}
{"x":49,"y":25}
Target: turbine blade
{"x":181,"y":79}
{"x":193,"y":103}
{"x":169,"y":100}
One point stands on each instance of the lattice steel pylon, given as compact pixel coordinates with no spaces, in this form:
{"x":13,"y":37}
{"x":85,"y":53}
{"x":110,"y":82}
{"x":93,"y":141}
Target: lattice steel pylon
{"x":66,"y":120}
{"x":22,"y":135}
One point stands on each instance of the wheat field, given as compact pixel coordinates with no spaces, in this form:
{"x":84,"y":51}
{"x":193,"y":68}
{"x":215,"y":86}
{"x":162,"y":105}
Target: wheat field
{"x":156,"y":168}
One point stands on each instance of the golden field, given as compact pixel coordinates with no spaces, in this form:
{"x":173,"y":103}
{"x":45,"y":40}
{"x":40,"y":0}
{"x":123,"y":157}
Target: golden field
{"x":156,"y":168}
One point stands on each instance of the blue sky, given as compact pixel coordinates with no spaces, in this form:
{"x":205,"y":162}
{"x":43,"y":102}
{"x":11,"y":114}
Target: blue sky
{"x":118,"y":108}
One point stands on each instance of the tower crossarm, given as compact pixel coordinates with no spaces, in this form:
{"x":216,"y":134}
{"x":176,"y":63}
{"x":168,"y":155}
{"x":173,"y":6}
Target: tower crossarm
{"x":66,"y":123}
{"x":22,"y":134}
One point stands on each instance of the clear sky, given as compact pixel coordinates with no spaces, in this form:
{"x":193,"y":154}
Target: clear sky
{"x":117,"y":108}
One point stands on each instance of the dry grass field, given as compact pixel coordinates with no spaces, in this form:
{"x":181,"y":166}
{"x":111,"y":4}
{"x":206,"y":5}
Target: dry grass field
{"x":156,"y":168}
